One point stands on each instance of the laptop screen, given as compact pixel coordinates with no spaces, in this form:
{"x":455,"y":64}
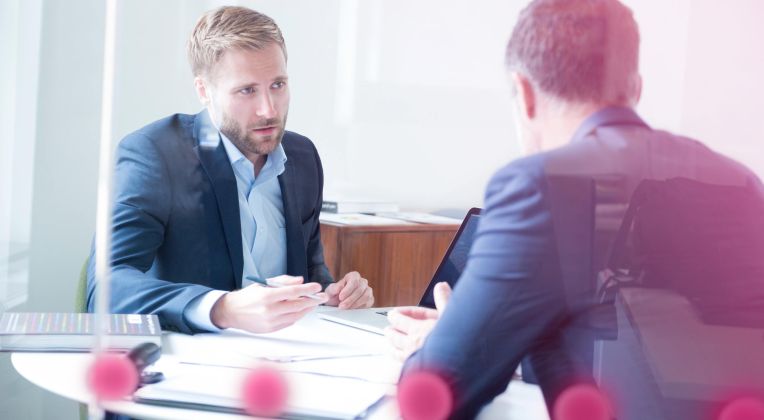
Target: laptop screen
{"x":455,"y":259}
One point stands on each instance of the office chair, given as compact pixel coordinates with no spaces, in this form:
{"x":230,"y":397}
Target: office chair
{"x":80,"y":296}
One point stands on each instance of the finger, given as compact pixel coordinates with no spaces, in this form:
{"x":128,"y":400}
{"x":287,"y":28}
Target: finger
{"x":400,"y":322}
{"x":291,"y":306}
{"x":286,"y":320}
{"x":398,"y":344}
{"x":442,"y":294}
{"x":322,"y":296}
{"x":335,"y":288}
{"x":418,"y":312}
{"x":352,"y":300}
{"x":293,"y":292}
{"x":352,"y":281}
{"x":395,"y":338}
{"x":367,"y":300}
{"x":401,"y":355}
{"x":284,"y":281}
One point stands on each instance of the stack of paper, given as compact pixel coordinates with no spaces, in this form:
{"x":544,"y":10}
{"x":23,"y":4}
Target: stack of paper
{"x":356,"y":206}
{"x":425,"y":218}
{"x":216,"y":388}
{"x":358,"y":219}
{"x":333,"y":371}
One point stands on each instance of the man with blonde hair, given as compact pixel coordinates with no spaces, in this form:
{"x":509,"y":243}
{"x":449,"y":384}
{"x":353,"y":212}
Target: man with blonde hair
{"x":211,"y":209}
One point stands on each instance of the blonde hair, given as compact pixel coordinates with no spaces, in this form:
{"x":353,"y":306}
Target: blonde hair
{"x":226,"y":28}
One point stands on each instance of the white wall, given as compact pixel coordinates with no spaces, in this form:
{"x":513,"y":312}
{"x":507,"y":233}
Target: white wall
{"x":702,"y":66}
{"x":398,"y":105}
{"x":52,"y":128}
{"x":431,"y":115}
{"x":663,"y":59}
{"x":723,"y":97}
{"x":408,"y":101}
{"x":20,"y":24}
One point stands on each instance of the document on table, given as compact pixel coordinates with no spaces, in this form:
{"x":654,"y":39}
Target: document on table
{"x":310,"y":346}
{"x":242,"y":351}
{"x":219,"y":389}
{"x":245,"y":349}
{"x":377,"y":369}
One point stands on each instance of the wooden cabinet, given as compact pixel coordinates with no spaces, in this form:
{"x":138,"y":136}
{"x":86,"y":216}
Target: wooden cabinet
{"x":398,"y":261}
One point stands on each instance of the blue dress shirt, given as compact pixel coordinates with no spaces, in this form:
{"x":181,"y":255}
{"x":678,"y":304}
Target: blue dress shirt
{"x":263,"y":229}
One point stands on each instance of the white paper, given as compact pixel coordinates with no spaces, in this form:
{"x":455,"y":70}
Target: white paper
{"x":358,"y":219}
{"x":308,"y":393}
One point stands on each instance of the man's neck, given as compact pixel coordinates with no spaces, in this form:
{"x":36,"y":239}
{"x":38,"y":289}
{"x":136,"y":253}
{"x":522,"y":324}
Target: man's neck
{"x":562,"y":123}
{"x":258,"y":161}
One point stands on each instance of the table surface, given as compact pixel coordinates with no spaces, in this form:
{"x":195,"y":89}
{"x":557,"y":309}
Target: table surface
{"x":64,"y":373}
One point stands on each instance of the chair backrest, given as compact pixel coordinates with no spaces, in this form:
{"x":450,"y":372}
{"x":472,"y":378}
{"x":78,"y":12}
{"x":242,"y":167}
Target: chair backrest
{"x":80,"y":297}
{"x":571,"y":203}
{"x":586,"y":215}
{"x":702,"y":240}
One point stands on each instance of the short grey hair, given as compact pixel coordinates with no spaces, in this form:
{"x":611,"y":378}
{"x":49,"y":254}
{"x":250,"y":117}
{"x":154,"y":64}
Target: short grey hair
{"x":577,"y":50}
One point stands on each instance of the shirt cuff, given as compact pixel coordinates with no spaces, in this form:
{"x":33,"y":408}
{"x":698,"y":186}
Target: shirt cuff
{"x":198,"y":312}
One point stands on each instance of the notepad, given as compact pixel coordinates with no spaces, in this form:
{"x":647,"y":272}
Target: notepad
{"x":73,"y":332}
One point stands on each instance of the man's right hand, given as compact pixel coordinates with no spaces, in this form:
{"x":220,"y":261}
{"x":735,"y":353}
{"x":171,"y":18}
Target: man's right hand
{"x":260,"y":309}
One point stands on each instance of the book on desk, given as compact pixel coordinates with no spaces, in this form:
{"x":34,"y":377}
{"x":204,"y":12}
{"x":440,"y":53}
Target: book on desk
{"x":73,"y":332}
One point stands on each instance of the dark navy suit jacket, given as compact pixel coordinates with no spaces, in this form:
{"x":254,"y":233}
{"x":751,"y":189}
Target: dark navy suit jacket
{"x":176,"y":226}
{"x":527,"y":285}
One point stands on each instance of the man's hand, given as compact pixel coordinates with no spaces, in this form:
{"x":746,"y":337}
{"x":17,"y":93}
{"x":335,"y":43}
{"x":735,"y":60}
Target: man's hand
{"x":260,"y":309}
{"x":352,"y":292}
{"x":409,"y":327}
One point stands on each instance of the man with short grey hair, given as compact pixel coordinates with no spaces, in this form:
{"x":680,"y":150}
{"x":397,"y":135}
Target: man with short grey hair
{"x":573,"y":65}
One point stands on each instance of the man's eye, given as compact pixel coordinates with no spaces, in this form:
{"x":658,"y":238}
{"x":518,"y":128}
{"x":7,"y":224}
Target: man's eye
{"x":278,"y":85}
{"x":247,"y":91}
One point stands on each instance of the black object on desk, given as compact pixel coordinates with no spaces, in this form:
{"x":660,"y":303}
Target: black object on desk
{"x":145,"y":355}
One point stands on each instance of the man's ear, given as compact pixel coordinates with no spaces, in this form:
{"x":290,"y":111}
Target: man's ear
{"x":637,"y":89}
{"x":201,"y":90}
{"x":526,"y":95}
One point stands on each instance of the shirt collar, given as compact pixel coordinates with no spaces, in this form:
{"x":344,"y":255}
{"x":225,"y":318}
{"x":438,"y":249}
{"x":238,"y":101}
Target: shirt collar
{"x":613,"y":115}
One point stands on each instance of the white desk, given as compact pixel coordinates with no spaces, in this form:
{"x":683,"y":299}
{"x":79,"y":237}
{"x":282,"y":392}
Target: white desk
{"x":64,"y":374}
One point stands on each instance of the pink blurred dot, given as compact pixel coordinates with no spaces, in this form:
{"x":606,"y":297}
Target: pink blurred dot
{"x":743,"y":409}
{"x":424,"y":396}
{"x":112,"y":376}
{"x":265,"y":392}
{"x":582,"y":402}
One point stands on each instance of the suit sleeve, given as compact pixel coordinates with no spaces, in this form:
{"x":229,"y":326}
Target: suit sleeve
{"x":504,"y":303}
{"x":142,"y":208}
{"x":317,"y":270}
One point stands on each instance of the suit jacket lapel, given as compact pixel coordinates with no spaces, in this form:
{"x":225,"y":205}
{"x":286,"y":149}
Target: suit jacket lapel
{"x":296,"y":254}
{"x":215,"y":162}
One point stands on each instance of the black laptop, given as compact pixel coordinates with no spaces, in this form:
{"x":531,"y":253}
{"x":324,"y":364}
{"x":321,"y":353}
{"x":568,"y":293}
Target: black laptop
{"x":450,"y":269}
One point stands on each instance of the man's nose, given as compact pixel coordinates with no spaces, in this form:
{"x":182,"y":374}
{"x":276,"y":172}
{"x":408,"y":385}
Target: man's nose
{"x":265,"y":108}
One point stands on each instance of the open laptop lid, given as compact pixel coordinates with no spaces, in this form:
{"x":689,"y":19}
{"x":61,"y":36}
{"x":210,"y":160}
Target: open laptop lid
{"x":455,"y":258}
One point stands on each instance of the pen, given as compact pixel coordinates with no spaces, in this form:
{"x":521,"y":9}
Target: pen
{"x":275,"y":286}
{"x":314,"y":297}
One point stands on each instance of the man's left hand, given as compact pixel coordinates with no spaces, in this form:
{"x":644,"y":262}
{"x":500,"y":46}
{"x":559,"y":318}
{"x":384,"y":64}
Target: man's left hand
{"x":409,"y":327}
{"x":352,"y":292}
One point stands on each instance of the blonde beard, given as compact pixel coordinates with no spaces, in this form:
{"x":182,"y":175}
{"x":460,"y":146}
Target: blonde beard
{"x":246,"y":143}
